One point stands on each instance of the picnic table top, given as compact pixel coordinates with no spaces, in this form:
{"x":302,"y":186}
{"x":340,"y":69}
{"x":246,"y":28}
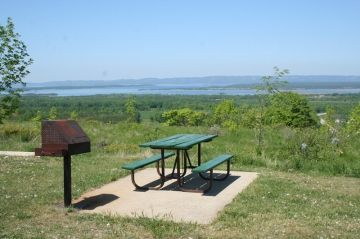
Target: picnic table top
{"x":179,"y":141}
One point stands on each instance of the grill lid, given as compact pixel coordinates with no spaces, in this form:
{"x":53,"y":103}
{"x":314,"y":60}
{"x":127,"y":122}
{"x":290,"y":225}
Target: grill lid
{"x":62,"y":136}
{"x":62,"y":132}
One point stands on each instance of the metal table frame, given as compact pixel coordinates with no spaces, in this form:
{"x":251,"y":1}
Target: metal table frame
{"x":181,"y":143}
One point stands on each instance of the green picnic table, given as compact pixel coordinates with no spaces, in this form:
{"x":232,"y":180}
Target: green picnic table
{"x":180,"y":143}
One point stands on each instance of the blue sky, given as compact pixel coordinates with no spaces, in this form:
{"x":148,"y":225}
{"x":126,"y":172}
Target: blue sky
{"x":107,"y":40}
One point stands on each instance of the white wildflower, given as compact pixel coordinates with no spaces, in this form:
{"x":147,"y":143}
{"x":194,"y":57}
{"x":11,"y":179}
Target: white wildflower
{"x":335,"y":141}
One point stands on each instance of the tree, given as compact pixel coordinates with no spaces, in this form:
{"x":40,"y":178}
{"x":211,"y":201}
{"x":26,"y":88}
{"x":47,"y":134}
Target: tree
{"x":290,"y":109}
{"x":132,"y":114}
{"x":74,"y":115}
{"x":53,"y":113}
{"x":270,"y":85}
{"x":226,"y":114}
{"x":14,"y":61}
{"x":38,"y":117}
{"x":353,"y":124}
{"x":183,"y":117}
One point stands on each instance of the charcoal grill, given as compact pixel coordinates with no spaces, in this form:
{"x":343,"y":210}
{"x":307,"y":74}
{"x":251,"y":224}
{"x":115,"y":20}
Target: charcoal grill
{"x":63,"y":138}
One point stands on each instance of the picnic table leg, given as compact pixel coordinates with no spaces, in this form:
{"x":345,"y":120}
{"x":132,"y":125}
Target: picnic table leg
{"x":162,"y":165}
{"x":162,"y":175}
{"x":144,"y":187}
{"x":178,"y":167}
{"x":180,"y":156}
{"x":185,"y":158}
{"x":219,"y":179}
{"x":173,"y":170}
{"x":177,"y":161}
{"x":199,"y":154}
{"x":158,"y":168}
{"x":209,"y":185}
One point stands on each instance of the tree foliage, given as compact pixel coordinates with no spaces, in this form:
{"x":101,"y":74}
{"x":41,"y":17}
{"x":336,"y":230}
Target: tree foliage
{"x":273,"y":83}
{"x":53,"y":113}
{"x":38,"y":117}
{"x":226,"y":114}
{"x":74,"y":115}
{"x":184,"y":117}
{"x":14,"y":61}
{"x":290,"y":109}
{"x":131,"y":112}
{"x":353,"y":124}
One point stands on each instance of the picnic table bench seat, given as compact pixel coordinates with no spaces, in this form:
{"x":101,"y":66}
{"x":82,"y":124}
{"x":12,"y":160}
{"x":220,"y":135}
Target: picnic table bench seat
{"x":144,"y":162}
{"x":209,"y":166}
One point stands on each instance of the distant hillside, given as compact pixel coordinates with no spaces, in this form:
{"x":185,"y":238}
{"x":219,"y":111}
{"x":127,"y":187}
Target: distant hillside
{"x":208,"y":81}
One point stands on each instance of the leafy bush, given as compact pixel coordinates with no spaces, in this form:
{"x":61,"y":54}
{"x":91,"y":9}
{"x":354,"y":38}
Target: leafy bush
{"x":53,"y":113}
{"x":74,"y":115}
{"x":290,"y":109}
{"x":353,"y":124}
{"x":250,"y":117}
{"x":317,"y":144}
{"x":184,"y":117}
{"x":38,"y":117}
{"x":225,"y":113}
{"x":132,"y":114}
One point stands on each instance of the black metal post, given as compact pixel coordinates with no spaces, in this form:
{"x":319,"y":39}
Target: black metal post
{"x":178,"y":166}
{"x":67,"y":180}
{"x":199,"y":154}
{"x":163,"y":165}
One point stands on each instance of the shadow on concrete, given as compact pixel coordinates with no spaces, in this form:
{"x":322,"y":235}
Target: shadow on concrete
{"x":93,"y":202}
{"x":194,"y":181}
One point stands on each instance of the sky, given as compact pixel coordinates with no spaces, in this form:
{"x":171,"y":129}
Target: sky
{"x":108,"y":40}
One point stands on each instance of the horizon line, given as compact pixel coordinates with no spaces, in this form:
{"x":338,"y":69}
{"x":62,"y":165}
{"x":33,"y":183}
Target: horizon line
{"x":189,"y":77}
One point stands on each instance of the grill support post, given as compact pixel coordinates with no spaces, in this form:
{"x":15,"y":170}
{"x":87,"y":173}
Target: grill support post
{"x":67,"y":180}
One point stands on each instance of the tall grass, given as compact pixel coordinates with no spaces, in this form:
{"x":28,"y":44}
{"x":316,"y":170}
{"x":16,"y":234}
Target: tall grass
{"x":283,"y":146}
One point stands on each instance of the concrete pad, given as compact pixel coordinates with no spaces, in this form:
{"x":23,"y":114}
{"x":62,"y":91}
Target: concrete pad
{"x":169,"y":203}
{"x":17,"y":153}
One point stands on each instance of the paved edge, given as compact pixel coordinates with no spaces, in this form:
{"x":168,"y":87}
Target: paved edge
{"x":17,"y":153}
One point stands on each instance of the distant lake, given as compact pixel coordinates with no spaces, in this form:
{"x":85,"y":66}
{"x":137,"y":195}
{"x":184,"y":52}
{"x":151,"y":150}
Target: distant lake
{"x":172,"y":91}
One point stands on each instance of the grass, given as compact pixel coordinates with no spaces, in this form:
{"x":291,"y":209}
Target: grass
{"x":284,"y":202}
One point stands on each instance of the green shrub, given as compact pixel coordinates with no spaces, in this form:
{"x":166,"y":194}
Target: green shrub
{"x":290,"y":109}
{"x":131,"y":111}
{"x":353,"y":125}
{"x":38,"y":116}
{"x":184,"y":117}
{"x":225,"y":112}
{"x":316,"y":144}
{"x":53,"y":113}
